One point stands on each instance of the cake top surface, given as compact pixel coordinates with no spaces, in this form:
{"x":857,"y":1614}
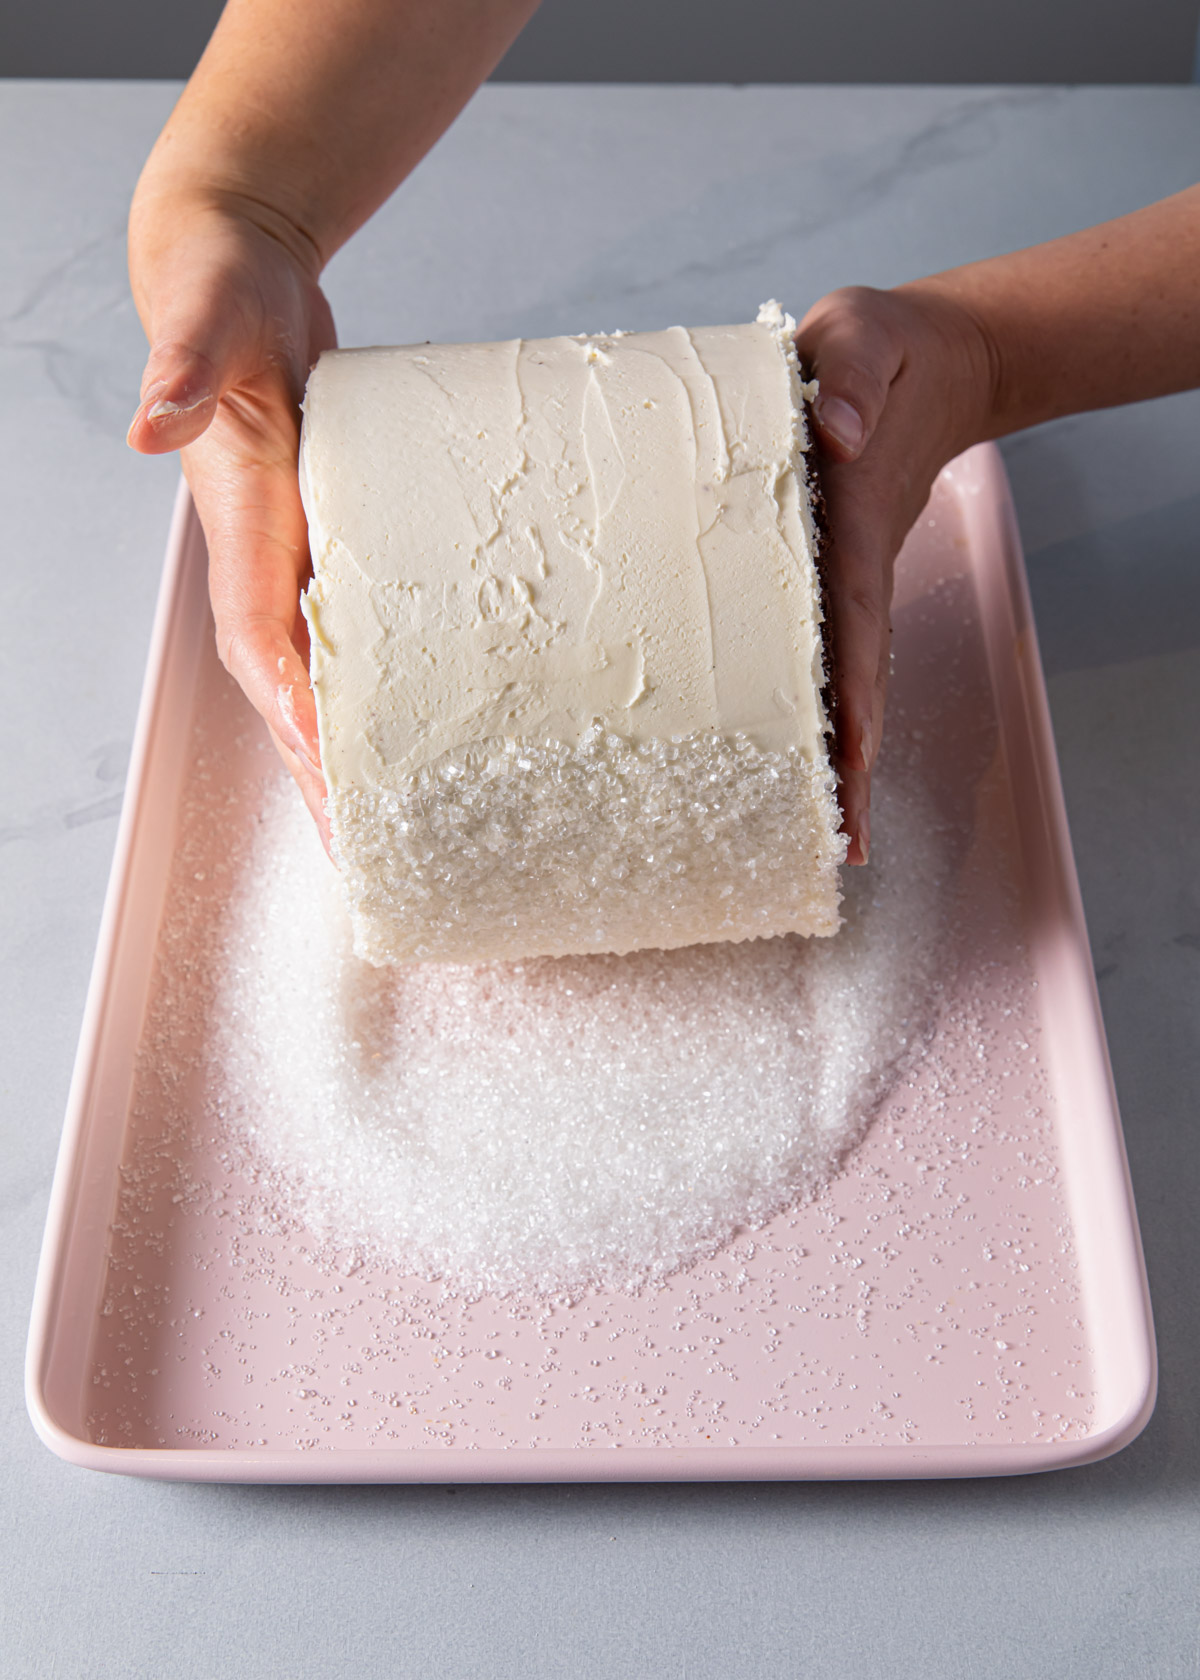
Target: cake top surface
{"x":518,"y":540}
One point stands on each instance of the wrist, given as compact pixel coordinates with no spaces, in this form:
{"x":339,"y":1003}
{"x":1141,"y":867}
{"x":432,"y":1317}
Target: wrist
{"x":969,"y":353}
{"x":171,"y":203}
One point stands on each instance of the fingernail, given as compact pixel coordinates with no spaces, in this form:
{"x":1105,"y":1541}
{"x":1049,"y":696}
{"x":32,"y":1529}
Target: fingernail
{"x":863,"y":835}
{"x":165,"y":410}
{"x":302,"y":750}
{"x":154,"y":407}
{"x":864,"y":745}
{"x":842,"y":422}
{"x":290,"y":728}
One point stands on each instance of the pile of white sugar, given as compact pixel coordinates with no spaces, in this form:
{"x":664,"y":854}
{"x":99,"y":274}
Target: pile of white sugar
{"x":564,"y":1123}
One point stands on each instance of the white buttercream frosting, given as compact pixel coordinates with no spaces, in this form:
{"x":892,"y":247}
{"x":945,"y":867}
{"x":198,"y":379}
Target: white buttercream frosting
{"x":556,"y":543}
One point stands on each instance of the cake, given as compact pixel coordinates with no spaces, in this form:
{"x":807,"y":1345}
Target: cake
{"x":566,"y":650}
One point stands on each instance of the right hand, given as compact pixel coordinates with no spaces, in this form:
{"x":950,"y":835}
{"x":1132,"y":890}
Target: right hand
{"x":906,"y":383}
{"x":229,"y":299}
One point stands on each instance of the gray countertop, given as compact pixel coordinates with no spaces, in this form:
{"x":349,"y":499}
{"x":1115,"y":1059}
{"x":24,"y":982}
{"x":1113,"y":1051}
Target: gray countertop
{"x":567,"y":208}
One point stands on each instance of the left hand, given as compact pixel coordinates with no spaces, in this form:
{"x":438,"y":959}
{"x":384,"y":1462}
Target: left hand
{"x":235,"y":318}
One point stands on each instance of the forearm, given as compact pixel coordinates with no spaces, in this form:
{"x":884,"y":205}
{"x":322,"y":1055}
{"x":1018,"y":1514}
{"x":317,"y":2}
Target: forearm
{"x":1106,"y":316}
{"x":306,"y":114}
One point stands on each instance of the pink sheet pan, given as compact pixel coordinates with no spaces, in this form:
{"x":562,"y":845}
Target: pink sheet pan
{"x":966,"y":1298}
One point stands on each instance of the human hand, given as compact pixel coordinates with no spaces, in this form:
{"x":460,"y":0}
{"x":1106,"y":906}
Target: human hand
{"x":228,"y":295}
{"x":906,"y":383}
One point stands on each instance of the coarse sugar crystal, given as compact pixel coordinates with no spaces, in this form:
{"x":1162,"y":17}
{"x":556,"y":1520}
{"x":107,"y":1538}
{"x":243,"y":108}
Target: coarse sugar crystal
{"x":518,"y":849}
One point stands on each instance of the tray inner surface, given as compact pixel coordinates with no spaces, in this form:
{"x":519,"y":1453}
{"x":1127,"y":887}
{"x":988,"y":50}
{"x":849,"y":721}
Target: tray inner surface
{"x":930,"y":1296}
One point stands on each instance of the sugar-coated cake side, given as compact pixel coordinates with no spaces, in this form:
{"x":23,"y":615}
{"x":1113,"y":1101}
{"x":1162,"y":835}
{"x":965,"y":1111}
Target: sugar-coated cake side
{"x":566,"y":643}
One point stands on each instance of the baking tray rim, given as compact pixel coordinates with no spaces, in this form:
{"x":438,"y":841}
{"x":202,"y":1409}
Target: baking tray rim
{"x":982,"y":469}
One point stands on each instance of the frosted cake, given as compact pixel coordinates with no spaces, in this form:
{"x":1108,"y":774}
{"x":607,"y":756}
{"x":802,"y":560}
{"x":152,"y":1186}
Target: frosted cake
{"x":566,"y":643}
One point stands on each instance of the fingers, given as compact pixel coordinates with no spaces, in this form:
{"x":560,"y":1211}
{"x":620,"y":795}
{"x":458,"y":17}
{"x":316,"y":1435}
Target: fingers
{"x":854,"y":792}
{"x":242,"y":474}
{"x":258,"y":561}
{"x":311,"y":785}
{"x":848,"y":343}
{"x":857,"y":572}
{"x":876,"y":418}
{"x":265,"y":664}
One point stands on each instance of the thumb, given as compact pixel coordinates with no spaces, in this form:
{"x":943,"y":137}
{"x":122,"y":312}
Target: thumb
{"x":207,"y":324}
{"x":847,"y":344}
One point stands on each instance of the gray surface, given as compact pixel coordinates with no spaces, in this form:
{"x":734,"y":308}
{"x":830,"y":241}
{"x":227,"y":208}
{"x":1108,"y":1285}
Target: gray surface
{"x":1124,"y":41}
{"x":857,"y":41}
{"x":548,"y":209}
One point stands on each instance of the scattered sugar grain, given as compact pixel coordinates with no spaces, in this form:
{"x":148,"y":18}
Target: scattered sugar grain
{"x":563,"y":1123}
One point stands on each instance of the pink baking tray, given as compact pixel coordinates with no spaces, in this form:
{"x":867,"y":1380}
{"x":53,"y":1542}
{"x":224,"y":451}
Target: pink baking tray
{"x":967,"y":1298}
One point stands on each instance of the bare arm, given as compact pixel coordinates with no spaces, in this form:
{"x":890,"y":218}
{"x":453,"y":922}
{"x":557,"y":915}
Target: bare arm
{"x":300,"y":120}
{"x":308,"y":116}
{"x":912,"y":376}
{"x":1110,"y":315}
